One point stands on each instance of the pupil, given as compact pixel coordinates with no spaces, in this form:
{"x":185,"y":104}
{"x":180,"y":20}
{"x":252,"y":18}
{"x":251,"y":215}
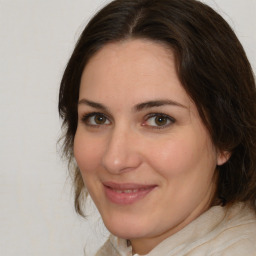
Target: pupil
{"x":161,"y":120}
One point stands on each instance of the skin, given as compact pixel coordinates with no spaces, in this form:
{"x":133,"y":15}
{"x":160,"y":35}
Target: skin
{"x":129,"y":144}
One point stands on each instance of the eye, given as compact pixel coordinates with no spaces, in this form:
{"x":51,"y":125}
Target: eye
{"x":95,"y":119}
{"x":158,"y":120}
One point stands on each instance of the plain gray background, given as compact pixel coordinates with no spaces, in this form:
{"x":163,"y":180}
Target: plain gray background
{"x":37,"y":38}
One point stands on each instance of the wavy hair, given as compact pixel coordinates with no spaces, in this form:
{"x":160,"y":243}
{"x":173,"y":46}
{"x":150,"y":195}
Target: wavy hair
{"x":212,"y":67}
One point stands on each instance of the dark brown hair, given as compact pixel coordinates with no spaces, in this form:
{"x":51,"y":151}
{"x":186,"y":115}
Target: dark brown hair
{"x":212,"y":67}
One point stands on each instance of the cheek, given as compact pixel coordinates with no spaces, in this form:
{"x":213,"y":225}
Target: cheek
{"x":171,"y":156}
{"x":87,"y":153}
{"x":185,"y":155}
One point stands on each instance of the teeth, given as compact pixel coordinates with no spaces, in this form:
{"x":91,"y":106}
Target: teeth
{"x":127,"y":191}
{"x":131,"y":191}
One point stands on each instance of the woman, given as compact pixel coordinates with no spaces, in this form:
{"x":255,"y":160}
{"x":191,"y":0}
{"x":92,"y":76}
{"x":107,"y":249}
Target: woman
{"x":159,"y":105}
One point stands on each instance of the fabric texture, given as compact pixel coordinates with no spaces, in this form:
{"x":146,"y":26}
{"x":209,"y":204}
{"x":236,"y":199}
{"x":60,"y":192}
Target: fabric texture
{"x":220,"y":231}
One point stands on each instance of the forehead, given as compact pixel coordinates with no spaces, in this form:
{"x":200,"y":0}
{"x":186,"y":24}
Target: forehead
{"x":145,"y":55}
{"x":137,"y":68}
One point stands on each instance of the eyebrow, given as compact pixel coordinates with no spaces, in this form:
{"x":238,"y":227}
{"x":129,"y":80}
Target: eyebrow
{"x":138,"y":107}
{"x":92,"y":104}
{"x":157,"y":103}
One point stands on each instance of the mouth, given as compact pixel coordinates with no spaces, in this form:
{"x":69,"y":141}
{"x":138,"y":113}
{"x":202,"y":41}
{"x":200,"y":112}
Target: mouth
{"x":124,"y":194}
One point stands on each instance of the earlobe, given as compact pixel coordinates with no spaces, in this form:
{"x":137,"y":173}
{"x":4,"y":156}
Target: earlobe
{"x":223,"y":157}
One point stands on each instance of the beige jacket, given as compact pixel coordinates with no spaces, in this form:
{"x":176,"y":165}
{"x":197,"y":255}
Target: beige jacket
{"x":220,"y":231}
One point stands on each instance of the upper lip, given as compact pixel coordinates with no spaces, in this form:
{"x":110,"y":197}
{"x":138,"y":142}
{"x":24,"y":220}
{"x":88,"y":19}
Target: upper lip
{"x":127,"y":186}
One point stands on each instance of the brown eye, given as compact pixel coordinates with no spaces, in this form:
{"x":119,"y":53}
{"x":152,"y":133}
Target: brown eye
{"x":99,"y":119}
{"x":95,"y":119}
{"x":159,"y":121}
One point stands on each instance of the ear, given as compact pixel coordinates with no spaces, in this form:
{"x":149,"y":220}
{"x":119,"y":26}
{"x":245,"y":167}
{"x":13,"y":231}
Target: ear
{"x":223,"y":157}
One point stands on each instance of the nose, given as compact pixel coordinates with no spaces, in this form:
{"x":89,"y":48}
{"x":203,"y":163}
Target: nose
{"x":122,"y":152}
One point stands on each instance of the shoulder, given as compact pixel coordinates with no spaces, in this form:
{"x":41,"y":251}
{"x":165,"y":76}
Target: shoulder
{"x":221,"y":231}
{"x":244,"y":246}
{"x":235,"y":235}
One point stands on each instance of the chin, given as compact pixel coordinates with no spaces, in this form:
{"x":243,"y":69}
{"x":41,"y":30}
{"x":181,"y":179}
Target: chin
{"x":127,"y":230}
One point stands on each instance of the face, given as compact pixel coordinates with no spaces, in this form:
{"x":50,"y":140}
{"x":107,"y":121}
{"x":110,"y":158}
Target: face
{"x":145,"y":156}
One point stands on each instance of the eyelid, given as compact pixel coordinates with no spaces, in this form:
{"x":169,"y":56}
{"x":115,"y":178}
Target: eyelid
{"x":85,"y":117}
{"x":171,"y":120}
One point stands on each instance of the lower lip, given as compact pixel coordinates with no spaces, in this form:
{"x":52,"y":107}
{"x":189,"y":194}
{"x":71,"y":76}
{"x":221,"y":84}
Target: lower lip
{"x":126,"y":198}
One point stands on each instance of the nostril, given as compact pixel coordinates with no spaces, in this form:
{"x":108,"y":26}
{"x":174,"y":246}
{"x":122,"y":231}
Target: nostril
{"x":121,"y":154}
{"x":121,"y":162}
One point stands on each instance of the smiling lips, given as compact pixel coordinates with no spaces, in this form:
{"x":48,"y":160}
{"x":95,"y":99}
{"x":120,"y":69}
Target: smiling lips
{"x":124,"y":194}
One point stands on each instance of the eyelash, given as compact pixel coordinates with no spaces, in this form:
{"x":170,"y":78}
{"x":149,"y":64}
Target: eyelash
{"x":85,"y":119}
{"x":170,"y":119}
